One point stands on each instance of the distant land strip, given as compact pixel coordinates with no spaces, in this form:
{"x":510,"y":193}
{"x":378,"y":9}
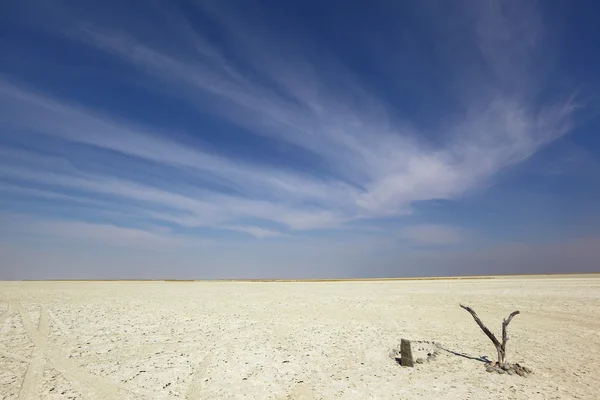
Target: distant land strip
{"x":422,"y":278}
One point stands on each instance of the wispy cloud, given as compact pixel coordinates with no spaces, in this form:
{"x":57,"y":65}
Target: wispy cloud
{"x":79,"y":232}
{"x":356,"y":137}
{"x":257,"y":232}
{"x":369,"y":162}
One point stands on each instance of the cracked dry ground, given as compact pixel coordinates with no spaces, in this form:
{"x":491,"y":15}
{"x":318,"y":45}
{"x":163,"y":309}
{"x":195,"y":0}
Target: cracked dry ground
{"x":329,"y":340}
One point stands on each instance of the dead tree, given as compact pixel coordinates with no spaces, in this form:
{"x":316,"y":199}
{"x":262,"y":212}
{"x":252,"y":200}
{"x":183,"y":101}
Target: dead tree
{"x":500,"y":347}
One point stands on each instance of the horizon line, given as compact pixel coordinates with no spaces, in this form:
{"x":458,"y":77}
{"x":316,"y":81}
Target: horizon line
{"x":266,"y":280}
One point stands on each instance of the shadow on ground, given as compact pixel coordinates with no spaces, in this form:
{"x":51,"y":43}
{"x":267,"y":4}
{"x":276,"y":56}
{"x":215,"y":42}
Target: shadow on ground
{"x":483,"y":359}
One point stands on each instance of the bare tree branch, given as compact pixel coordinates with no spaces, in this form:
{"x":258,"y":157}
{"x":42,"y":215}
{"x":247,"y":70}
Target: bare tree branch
{"x":500,"y":347}
{"x":505,"y":326}
{"x":482,"y":326}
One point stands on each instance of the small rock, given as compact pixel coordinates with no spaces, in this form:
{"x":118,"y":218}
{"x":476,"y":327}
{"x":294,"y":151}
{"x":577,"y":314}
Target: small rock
{"x":490,"y":369}
{"x":419,"y":361}
{"x":510,"y":372}
{"x":501,"y":371}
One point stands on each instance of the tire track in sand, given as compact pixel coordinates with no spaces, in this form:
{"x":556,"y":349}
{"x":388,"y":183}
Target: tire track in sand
{"x":6,"y":313}
{"x":62,"y":327}
{"x":73,"y":372}
{"x":300,"y":391}
{"x":195,"y":386}
{"x":45,"y":355}
{"x":3,"y":317}
{"x":39,"y":336}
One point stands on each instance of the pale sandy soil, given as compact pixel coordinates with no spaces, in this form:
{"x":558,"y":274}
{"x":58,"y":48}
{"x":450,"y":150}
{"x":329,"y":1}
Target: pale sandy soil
{"x":202,"y":340}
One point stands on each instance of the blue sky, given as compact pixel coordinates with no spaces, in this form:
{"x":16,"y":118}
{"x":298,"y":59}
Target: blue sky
{"x":298,"y":139}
